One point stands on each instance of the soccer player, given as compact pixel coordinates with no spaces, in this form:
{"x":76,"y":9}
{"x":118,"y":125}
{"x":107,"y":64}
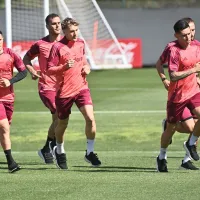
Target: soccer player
{"x":183,"y":91}
{"x":8,"y":60}
{"x":186,"y":125}
{"x":46,"y":84}
{"x":68,"y":62}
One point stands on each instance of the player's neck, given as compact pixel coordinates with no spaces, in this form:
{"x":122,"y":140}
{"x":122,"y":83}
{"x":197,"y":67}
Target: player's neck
{"x":184,"y":46}
{"x":54,"y":38}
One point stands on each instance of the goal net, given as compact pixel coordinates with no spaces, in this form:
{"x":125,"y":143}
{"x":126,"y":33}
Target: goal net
{"x":103,"y":50}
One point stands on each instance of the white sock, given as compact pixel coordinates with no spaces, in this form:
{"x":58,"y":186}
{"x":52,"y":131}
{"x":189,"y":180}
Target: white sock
{"x":90,"y":146}
{"x":163,"y":153}
{"x":60,"y":148}
{"x":186,"y":158}
{"x":193,"y":140}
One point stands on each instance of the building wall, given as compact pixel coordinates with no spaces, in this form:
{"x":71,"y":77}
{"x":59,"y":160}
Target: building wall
{"x":153,"y":26}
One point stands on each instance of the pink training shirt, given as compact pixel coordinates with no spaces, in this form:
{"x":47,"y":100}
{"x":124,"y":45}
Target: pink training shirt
{"x":180,"y":60}
{"x":70,"y":81}
{"x":41,"y":49}
{"x":165,"y":53}
{"x":9,"y":60}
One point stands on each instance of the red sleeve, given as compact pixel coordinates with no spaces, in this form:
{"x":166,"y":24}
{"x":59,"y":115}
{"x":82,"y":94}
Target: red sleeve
{"x":17,"y":61}
{"x":164,"y":55}
{"x":173,"y":60}
{"x":34,"y":51}
{"x":53,"y":61}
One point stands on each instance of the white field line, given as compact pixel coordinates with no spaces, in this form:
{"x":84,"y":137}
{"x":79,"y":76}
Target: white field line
{"x":101,"y":112}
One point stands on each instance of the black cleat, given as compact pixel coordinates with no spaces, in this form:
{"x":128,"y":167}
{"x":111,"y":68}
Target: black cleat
{"x":164,"y":126}
{"x":188,"y":166}
{"x":93,"y":159}
{"x":46,"y":155}
{"x":13,"y":167}
{"x":161,"y":165}
{"x":61,"y":160}
{"x":191,"y":150}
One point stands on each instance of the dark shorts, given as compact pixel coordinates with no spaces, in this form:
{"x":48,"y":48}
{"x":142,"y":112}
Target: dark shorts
{"x":6,"y":110}
{"x":175,"y":110}
{"x":48,"y":99}
{"x":187,"y":114}
{"x":64,"y":105}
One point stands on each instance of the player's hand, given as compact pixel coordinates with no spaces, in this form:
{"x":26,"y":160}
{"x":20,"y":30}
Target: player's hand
{"x":166,"y":84}
{"x":69,"y":63}
{"x":197,"y":67}
{"x":4,"y":82}
{"x":85,"y":70}
{"x":34,"y":77}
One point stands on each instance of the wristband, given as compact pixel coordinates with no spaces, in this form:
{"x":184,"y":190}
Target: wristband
{"x":163,"y":79}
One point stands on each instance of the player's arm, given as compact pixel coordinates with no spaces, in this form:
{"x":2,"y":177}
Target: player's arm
{"x":86,"y":67}
{"x":53,"y":65}
{"x":161,"y":73}
{"x":22,"y":72}
{"x":176,"y":75}
{"x":30,"y":55}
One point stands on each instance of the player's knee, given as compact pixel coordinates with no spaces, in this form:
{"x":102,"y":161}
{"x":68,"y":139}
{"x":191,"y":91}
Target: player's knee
{"x":63,"y":122}
{"x":4,"y":126}
{"x":189,"y":129}
{"x":90,"y":120}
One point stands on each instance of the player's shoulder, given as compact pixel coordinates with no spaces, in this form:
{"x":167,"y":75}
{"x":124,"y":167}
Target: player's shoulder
{"x":42,"y":40}
{"x":79,"y":40}
{"x":171,"y":44}
{"x":12,"y":53}
{"x":8,"y":51}
{"x":195,"y":42}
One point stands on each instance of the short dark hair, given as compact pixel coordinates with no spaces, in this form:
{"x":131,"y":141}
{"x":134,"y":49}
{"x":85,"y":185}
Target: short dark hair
{"x":180,"y":25}
{"x":1,"y":33}
{"x":188,"y":19}
{"x":50,"y":16}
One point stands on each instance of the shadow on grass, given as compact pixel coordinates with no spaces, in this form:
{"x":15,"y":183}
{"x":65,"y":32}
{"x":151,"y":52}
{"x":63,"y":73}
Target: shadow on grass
{"x":114,"y":169}
{"x":3,"y":163}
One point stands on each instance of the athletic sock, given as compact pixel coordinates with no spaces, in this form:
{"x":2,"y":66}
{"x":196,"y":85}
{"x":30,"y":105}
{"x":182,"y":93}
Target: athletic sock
{"x":90,"y":146}
{"x":193,"y":140}
{"x":9,"y":156}
{"x":186,"y":158}
{"x":163,"y":153}
{"x":60,"y":148}
{"x":47,"y":141}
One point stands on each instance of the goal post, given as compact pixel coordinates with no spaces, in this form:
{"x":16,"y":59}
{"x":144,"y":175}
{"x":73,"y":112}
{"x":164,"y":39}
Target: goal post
{"x":27,"y":25}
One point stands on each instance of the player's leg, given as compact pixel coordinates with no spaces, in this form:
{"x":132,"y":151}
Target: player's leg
{"x":174,"y":112}
{"x":194,"y":106}
{"x":48,"y":99}
{"x":84,"y":103}
{"x":165,"y":140}
{"x":186,"y":125}
{"x":6,"y":110}
{"x":63,"y":106}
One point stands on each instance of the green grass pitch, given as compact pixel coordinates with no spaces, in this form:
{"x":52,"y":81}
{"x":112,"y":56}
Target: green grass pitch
{"x":129,"y":107}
